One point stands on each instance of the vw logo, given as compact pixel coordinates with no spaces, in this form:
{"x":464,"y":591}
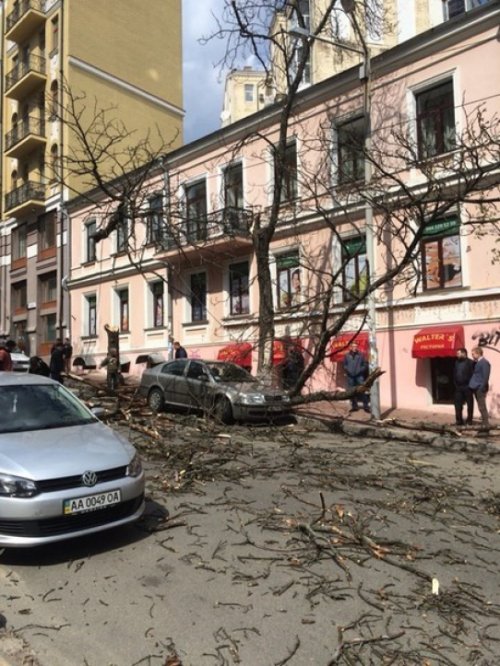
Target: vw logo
{"x":89,"y":478}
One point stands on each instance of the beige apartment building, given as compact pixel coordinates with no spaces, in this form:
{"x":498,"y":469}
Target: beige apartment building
{"x":382,"y":24}
{"x":110,"y":55}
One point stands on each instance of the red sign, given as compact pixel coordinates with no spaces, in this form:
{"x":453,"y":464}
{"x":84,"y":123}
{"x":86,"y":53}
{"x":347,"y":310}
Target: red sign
{"x":339,"y":346}
{"x":237,"y":352}
{"x":437,"y":341}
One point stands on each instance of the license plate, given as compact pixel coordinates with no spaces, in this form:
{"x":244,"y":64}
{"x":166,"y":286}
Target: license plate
{"x":91,"y":502}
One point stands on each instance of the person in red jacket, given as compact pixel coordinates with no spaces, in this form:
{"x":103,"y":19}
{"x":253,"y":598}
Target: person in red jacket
{"x":6,"y":347}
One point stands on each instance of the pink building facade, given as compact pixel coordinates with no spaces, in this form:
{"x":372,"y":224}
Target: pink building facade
{"x":197,"y":281}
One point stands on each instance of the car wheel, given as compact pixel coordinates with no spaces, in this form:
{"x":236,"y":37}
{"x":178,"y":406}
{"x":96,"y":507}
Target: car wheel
{"x":223,"y":410}
{"x":156,"y":400}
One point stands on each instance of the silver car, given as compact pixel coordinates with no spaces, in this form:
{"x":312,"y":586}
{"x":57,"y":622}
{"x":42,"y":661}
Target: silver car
{"x":63,"y":473}
{"x":224,"y":389}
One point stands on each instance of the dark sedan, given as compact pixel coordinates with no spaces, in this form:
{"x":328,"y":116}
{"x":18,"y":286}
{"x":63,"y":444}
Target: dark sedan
{"x":224,"y":389}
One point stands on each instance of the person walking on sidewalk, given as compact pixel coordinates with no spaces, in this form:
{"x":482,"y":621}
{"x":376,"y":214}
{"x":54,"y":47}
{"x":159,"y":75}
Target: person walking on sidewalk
{"x":179,"y":351}
{"x":479,"y":384}
{"x":462,"y":373}
{"x":356,"y":370}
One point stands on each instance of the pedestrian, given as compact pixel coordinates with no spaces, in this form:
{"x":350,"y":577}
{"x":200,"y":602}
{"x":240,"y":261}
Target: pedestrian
{"x":462,"y":373}
{"x":356,"y":370}
{"x":6,"y":348}
{"x":479,"y":385}
{"x":293,"y":366}
{"x":68,"y":353}
{"x":57,"y":362}
{"x":179,"y":351}
{"x":112,"y":365}
{"x":38,"y":367}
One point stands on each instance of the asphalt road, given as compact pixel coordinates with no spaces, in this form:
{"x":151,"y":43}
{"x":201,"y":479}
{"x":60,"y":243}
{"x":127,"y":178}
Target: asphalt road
{"x":280,"y":546}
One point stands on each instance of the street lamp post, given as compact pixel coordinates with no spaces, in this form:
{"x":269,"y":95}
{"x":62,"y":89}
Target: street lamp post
{"x":365,"y":77}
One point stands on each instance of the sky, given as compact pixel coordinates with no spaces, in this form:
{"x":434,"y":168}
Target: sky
{"x":203,"y":83}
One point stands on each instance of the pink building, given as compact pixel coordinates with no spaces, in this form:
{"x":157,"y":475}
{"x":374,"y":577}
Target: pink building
{"x":432,"y":170}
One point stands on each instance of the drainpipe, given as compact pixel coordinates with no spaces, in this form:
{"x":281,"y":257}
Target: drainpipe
{"x":62,"y":216}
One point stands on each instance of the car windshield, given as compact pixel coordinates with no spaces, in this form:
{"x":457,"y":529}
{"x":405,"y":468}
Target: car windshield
{"x":40,"y":407}
{"x":229,"y":372}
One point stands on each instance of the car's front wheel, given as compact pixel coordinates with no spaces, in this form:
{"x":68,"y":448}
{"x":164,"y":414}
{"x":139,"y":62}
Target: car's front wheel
{"x":156,"y":401}
{"x":223,"y":410}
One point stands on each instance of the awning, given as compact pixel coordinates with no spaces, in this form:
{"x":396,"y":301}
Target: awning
{"x":340,"y":344}
{"x":85,"y":361}
{"x":437,"y":341}
{"x":155,"y":358}
{"x":237,"y":352}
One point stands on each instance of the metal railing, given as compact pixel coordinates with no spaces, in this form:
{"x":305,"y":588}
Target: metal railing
{"x":30,"y":125}
{"x":33,"y":63}
{"x":21,"y":9}
{"x":26,"y":192}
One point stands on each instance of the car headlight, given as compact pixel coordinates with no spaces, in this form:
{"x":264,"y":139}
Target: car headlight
{"x":253,"y":399}
{"x":15,"y":486}
{"x":134,"y":468}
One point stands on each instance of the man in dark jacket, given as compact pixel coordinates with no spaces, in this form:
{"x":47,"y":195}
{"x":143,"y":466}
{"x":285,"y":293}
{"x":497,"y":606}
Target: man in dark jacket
{"x":57,"y":362}
{"x":179,"y":351}
{"x":462,"y":373}
{"x":479,"y":383}
{"x":356,"y":370}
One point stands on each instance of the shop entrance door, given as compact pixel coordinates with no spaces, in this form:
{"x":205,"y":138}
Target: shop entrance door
{"x":443,"y":388}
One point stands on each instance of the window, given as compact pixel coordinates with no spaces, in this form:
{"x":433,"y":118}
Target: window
{"x":157,"y":292}
{"x":350,"y":150}
{"x":47,"y":230}
{"x":18,"y":297}
{"x":249,"y":92}
{"x":123,"y":310}
{"x":196,"y":211}
{"x":154,"y":220}
{"x":48,"y":288}
{"x":55,"y":33}
{"x":456,"y":7}
{"x":233,"y":198}
{"x":91,"y":315}
{"x":289,"y":172}
{"x":289,"y":280}
{"x":435,"y":120}
{"x":301,"y":19}
{"x":354,"y":268}
{"x":121,"y":235}
{"x":48,"y":325}
{"x":238,"y":289}
{"x":175,"y":368}
{"x":198,"y":297}
{"x":90,"y":230}
{"x":19,"y":237}
{"x":441,"y":260}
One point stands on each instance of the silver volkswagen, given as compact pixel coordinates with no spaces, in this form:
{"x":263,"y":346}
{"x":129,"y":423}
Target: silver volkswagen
{"x":63,"y":473}
{"x":224,"y":389}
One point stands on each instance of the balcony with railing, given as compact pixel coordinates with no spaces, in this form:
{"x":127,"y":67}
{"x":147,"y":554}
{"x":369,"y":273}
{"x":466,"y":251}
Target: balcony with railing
{"x":28,"y":197}
{"x":213,"y":232}
{"x":27,"y":136}
{"x":26,"y":17}
{"x":26,"y":76}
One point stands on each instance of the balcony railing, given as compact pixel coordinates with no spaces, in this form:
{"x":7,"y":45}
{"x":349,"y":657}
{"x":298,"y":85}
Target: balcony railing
{"x":21,"y":9}
{"x":33,"y":63}
{"x":220,"y":224}
{"x":28,"y":191}
{"x":27,"y":126}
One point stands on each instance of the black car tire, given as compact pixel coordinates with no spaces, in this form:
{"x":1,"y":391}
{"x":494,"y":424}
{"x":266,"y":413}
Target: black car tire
{"x":223,"y":410}
{"x":156,"y":401}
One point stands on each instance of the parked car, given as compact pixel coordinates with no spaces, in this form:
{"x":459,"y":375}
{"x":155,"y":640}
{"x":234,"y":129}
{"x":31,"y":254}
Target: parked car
{"x":20,"y":362}
{"x":224,"y":389}
{"x":63,"y":473}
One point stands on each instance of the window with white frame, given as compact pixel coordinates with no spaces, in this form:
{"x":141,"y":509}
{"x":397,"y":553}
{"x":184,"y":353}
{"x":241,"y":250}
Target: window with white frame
{"x":286,"y":166}
{"x":90,"y":246}
{"x":157,"y":290}
{"x":196,"y":211}
{"x":435,"y":120}
{"x":154,"y":219}
{"x":123,"y":310}
{"x":441,"y":257}
{"x":301,"y":18}
{"x":454,"y":8}
{"x":90,"y":304}
{"x":239,"y":295}
{"x":249,"y":92}
{"x":122,"y":235}
{"x":350,"y":150}
{"x":198,"y":296}
{"x":354,"y":268}
{"x":289,"y":280}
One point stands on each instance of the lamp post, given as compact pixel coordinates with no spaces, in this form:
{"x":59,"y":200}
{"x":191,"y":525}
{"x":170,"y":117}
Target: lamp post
{"x":365,"y":77}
